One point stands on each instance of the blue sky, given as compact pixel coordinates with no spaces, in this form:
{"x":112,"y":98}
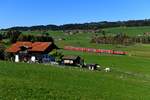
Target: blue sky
{"x":37,"y":12}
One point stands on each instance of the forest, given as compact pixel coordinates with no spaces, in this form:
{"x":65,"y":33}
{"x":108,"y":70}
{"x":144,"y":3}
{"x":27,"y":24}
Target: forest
{"x":85,"y":26}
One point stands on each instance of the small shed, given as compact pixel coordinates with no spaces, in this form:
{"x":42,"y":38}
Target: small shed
{"x":92,"y":66}
{"x":72,"y":60}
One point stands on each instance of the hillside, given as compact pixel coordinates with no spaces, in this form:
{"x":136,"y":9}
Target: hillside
{"x":129,"y":78}
{"x":131,"y":31}
{"x":85,"y":26}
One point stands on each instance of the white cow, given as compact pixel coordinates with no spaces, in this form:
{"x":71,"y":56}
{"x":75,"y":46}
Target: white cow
{"x":107,"y":69}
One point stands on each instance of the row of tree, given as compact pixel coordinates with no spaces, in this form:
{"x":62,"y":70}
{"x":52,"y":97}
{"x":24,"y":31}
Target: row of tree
{"x":15,"y":35}
{"x":85,"y":26}
{"x":35,"y":38}
{"x":122,"y":39}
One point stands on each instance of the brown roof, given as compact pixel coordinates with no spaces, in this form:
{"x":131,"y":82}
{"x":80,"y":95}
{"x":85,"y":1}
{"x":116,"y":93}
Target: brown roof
{"x":40,"y":46}
{"x":36,"y":46}
{"x":70,"y":57}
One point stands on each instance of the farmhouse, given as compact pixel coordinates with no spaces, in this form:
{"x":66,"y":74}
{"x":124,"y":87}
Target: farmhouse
{"x":147,"y":33}
{"x":72,"y":60}
{"x":31,"y":51}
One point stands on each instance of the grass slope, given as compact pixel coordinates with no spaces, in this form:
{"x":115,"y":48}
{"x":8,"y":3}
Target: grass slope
{"x":131,"y":31}
{"x":22,"y":81}
{"x":129,"y":79}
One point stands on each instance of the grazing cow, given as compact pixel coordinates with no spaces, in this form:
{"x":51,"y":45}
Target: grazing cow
{"x":107,"y":69}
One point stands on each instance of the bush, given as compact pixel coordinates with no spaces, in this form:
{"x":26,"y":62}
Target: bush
{"x":2,"y":52}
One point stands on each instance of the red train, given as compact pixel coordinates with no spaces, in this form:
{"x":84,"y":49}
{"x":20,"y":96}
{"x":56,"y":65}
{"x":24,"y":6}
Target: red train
{"x":95,"y":50}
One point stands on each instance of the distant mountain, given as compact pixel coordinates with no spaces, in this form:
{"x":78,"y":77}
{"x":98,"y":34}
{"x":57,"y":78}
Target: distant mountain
{"x":85,"y":26}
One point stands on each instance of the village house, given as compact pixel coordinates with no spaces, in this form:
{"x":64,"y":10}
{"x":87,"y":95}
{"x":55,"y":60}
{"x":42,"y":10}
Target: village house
{"x":31,"y":51}
{"x":147,"y":33}
{"x":76,"y":31}
{"x":72,"y":61}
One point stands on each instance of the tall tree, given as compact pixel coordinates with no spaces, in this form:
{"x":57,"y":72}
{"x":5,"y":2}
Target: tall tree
{"x":13,"y":35}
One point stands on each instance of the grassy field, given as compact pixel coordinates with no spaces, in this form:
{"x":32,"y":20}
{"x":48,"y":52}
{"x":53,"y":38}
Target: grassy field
{"x":131,"y":31}
{"x":29,"y":82}
{"x":128,"y":80}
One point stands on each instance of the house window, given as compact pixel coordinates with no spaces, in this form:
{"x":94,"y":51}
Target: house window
{"x":23,"y":52}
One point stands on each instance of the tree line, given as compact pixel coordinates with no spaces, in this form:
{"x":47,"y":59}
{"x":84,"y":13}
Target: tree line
{"x":85,"y":26}
{"x":120,"y":38}
{"x":15,"y":35}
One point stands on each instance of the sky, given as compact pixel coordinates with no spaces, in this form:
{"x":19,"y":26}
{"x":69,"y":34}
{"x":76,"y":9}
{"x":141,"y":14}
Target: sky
{"x":43,"y":12}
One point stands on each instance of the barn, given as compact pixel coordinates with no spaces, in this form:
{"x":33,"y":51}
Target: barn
{"x":30,"y":51}
{"x":72,"y":60}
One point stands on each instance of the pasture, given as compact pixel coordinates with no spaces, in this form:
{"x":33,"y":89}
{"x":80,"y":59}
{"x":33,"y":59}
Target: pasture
{"x":30,"y":81}
{"x":128,"y":80}
{"x":131,"y":31}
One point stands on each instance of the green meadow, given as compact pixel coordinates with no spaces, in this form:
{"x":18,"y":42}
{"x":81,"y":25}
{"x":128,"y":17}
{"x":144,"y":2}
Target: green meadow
{"x":129,"y":78}
{"x":131,"y":31}
{"x":42,"y":82}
